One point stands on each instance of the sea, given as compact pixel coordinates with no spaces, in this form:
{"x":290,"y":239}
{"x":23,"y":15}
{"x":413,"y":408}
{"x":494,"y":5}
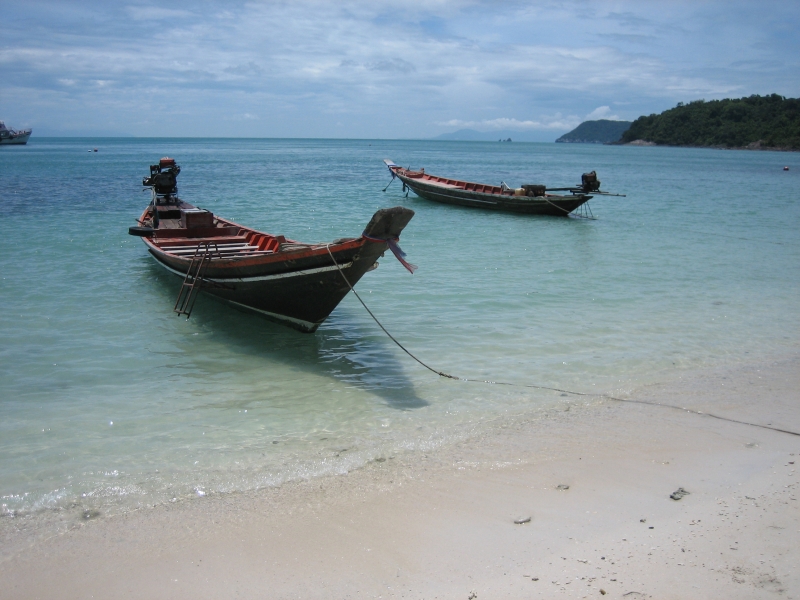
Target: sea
{"x":110,"y":402}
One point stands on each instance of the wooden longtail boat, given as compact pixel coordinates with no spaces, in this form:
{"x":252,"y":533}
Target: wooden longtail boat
{"x":294,"y":283}
{"x":530,"y":199}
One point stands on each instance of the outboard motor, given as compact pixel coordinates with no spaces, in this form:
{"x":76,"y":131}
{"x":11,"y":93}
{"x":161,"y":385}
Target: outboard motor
{"x":163,"y":178}
{"x":589,"y":182}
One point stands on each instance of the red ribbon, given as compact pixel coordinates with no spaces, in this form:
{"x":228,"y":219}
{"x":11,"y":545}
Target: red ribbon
{"x":396,"y":250}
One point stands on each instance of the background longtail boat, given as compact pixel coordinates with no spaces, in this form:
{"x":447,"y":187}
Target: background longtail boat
{"x":530,"y":199}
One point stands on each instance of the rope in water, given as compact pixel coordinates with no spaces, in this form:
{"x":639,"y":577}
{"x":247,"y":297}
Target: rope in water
{"x":544,"y":387}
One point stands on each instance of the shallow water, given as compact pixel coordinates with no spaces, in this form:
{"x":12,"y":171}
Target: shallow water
{"x":109,"y":401}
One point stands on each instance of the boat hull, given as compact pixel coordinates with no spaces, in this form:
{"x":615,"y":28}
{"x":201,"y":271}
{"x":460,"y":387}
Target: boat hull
{"x":15,"y":140}
{"x":295,"y":284}
{"x":301,"y":295}
{"x":552,"y":205}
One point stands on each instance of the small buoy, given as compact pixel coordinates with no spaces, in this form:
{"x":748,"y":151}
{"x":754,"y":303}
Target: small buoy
{"x":785,"y":168}
{"x":95,"y":150}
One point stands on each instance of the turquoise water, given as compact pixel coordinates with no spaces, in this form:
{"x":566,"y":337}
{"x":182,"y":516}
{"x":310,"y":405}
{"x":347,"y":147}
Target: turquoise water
{"x":109,"y":401}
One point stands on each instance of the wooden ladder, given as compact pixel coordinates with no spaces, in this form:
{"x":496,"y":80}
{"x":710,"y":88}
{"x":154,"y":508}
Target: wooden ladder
{"x":194,"y":279}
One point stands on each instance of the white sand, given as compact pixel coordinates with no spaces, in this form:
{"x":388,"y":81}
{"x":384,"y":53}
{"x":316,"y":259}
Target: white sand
{"x":444,"y":527}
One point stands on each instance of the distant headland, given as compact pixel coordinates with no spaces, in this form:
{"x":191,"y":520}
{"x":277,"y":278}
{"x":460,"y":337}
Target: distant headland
{"x":595,"y":132}
{"x":755,"y":122}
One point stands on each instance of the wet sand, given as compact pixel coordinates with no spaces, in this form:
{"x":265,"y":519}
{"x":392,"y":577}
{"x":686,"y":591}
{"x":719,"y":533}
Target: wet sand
{"x":595,"y":481}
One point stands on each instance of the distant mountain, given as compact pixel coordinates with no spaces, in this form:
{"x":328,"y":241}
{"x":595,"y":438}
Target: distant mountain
{"x":753,"y":122}
{"x":470,"y":135}
{"x":596,"y":132}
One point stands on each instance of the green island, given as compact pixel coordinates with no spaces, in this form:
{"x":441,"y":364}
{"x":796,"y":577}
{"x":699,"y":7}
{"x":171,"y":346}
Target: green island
{"x":602,"y":131}
{"x":769,"y":122}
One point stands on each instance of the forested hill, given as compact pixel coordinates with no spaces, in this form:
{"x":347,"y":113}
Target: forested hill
{"x":757,"y":121}
{"x":595,"y":132}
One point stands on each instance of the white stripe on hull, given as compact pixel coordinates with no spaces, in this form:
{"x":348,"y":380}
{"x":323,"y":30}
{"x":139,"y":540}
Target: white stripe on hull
{"x":307,"y":326}
{"x":304,"y":325}
{"x":262,"y":277}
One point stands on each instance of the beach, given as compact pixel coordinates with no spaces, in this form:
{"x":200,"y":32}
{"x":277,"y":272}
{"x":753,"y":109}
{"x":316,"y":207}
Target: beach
{"x":242,"y":358}
{"x":594,"y":478}
{"x":146,"y":455}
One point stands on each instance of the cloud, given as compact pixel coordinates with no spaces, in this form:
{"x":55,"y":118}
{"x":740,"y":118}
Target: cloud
{"x":155,"y":13}
{"x":251,"y":68}
{"x":556,"y":122}
{"x":381,"y":71}
{"x":602,"y":112}
{"x":629,"y":19}
{"x":240,"y":117}
{"x":397,"y":65}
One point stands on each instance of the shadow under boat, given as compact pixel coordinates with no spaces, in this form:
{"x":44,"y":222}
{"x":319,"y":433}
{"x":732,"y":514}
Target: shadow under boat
{"x":346,"y":353}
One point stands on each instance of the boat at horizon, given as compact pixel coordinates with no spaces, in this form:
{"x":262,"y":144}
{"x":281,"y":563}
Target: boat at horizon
{"x":532,"y":199}
{"x":12,"y":136}
{"x":293,"y":283}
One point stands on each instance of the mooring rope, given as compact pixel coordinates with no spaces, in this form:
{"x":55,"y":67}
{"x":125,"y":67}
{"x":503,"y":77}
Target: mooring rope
{"x":374,"y":318}
{"x":543,"y":387}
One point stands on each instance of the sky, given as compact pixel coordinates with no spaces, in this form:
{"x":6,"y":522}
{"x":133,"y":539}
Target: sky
{"x":371,"y":69}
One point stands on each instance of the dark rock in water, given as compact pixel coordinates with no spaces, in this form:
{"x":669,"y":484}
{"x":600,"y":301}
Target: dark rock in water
{"x":678,"y":494}
{"x":562,"y":487}
{"x":522,"y":520}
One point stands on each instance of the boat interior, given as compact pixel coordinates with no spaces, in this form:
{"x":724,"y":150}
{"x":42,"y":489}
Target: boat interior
{"x":183,"y":228}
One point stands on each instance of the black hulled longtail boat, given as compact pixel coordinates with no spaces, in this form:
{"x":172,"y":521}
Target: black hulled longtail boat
{"x":533,"y":199}
{"x":294,"y":283}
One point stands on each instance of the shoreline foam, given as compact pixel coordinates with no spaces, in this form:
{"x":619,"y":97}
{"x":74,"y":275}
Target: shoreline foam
{"x":442,"y":524}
